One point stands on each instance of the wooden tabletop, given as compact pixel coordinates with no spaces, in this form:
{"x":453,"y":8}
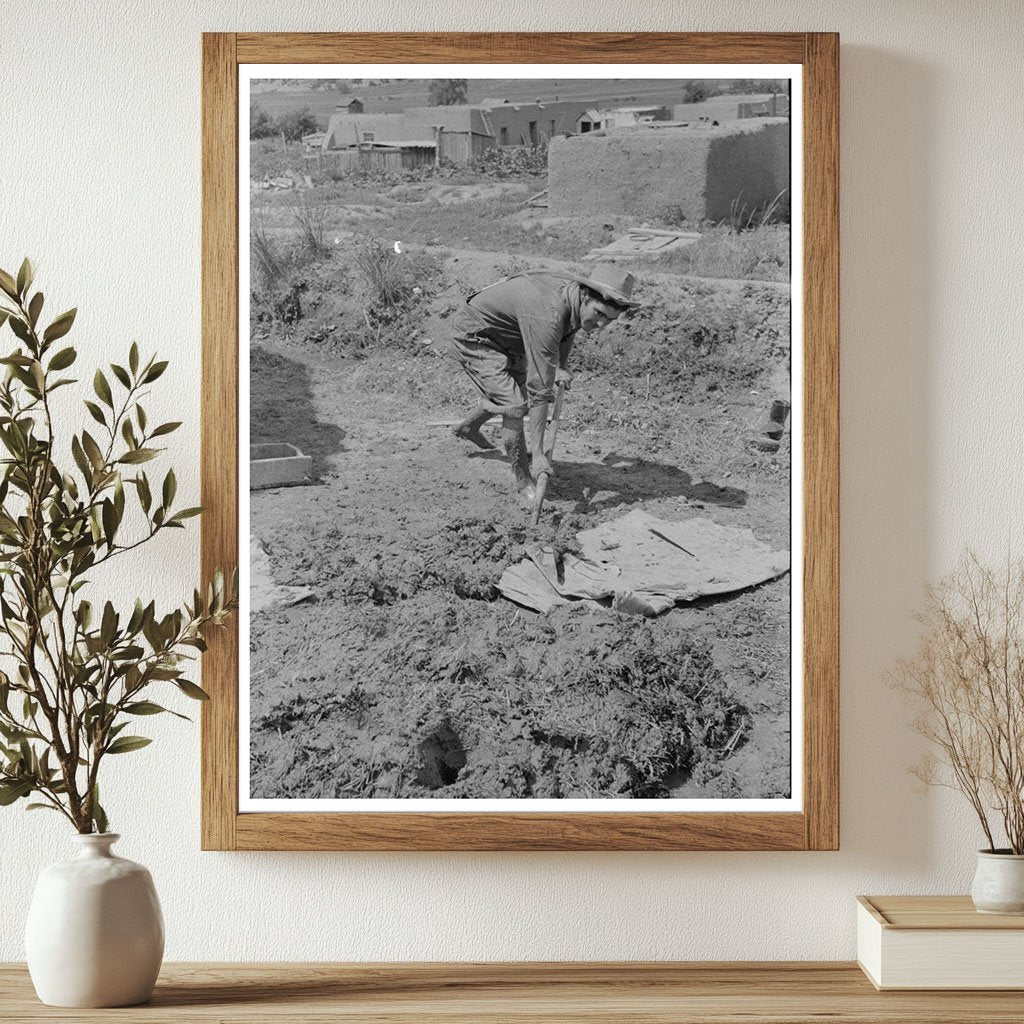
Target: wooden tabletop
{"x":659,"y":993}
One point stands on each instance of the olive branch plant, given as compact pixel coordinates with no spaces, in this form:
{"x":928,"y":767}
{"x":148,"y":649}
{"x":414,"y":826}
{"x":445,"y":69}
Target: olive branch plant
{"x":80,"y":674}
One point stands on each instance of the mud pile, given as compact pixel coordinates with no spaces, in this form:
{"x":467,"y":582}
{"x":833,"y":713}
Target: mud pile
{"x":436,"y":696}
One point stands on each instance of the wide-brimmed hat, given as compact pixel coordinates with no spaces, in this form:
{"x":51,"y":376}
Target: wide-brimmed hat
{"x":610,"y":283}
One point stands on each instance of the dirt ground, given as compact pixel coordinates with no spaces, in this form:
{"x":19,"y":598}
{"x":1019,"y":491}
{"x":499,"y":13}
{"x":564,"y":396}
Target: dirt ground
{"x":408,"y":674}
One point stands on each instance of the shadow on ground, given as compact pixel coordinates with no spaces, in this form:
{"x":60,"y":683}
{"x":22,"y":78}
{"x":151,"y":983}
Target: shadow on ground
{"x":281,"y":408}
{"x":630,"y":480}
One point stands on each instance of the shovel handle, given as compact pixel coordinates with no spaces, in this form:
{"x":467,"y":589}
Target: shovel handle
{"x":549,"y":448}
{"x":556,"y":415}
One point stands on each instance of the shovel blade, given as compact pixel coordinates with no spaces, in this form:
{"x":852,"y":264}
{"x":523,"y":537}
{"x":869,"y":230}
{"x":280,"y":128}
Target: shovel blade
{"x":538,"y":501}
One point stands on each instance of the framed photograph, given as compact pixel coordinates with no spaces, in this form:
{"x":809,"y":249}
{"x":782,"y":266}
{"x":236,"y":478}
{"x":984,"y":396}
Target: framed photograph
{"x":520,"y":420}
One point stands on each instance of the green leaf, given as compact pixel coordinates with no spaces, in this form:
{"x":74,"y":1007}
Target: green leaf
{"x":41,"y":807}
{"x":128,"y":433}
{"x":84,"y":614}
{"x":16,"y":359}
{"x":147,"y":707}
{"x":35,"y":308}
{"x":92,"y":449}
{"x":14,"y":790}
{"x":108,"y":627}
{"x":121,"y":374}
{"x":140,"y":415}
{"x":8,"y":285}
{"x":109,"y":521}
{"x":20,"y":329}
{"x":60,"y":326}
{"x":63,"y":359}
{"x":185,"y":513}
{"x":165,"y":428}
{"x":170,"y":488}
{"x":154,"y":372}
{"x":99,"y":816}
{"x":191,"y":690}
{"x":26,"y":274}
{"x":126,"y":744}
{"x":137,"y":616}
{"x":95,"y":412}
{"x":102,"y":388}
{"x":145,"y":497}
{"x":133,"y":357}
{"x":139,"y":455}
{"x":80,"y":459}
{"x":143,"y":707}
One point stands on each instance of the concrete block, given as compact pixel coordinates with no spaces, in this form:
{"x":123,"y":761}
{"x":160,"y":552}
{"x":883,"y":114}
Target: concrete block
{"x":278,"y":465}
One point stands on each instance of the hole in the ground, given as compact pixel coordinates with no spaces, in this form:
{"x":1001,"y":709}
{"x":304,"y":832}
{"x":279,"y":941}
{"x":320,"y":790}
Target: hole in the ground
{"x":442,"y":757}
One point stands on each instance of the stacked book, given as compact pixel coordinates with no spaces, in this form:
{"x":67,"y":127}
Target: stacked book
{"x":938,"y":942}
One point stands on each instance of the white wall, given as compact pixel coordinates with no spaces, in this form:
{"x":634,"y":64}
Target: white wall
{"x":99,"y":181}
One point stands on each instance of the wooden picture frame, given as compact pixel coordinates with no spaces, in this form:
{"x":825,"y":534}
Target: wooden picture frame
{"x":816,"y":826}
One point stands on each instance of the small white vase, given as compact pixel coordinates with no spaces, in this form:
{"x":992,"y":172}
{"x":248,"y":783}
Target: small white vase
{"x":999,"y":882}
{"x":95,"y":934}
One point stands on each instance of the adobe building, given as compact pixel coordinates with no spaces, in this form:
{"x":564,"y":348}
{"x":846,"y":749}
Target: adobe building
{"x":530,"y":124}
{"x":345,"y":130}
{"x":597,"y":119}
{"x":694,"y":171}
{"x":460,"y":132}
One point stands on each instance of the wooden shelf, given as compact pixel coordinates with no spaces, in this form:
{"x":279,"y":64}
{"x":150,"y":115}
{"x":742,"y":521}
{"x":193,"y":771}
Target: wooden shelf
{"x":621,"y":993}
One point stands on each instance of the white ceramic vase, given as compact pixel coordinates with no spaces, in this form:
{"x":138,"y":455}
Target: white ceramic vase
{"x":95,"y":934}
{"x":999,"y":882}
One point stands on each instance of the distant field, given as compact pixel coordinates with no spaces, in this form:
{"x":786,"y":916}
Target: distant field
{"x":393,"y":97}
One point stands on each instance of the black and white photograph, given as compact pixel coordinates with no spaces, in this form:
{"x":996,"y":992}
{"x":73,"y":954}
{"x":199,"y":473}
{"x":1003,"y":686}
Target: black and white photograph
{"x":520,"y":438}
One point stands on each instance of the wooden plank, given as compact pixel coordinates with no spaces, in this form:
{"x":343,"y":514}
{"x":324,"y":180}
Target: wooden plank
{"x":821,"y":440}
{"x":442,"y":831}
{"x":526,"y":993}
{"x":219,"y":430}
{"x":520,"y":47}
{"x":937,"y":912}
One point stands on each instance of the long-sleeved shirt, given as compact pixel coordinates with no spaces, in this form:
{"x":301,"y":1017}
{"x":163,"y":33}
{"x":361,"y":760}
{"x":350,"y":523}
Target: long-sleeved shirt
{"x":530,"y":316}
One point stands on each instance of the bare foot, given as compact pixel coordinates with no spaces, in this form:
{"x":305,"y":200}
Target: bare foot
{"x":472,"y":433}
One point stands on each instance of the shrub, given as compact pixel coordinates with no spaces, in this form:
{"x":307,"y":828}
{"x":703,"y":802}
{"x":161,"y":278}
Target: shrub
{"x":261,"y":124}
{"x":297,"y":123}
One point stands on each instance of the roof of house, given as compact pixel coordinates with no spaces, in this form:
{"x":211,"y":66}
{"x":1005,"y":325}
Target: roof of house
{"x":347,"y":129}
{"x":458,"y":117}
{"x":402,"y":144}
{"x":599,"y":113}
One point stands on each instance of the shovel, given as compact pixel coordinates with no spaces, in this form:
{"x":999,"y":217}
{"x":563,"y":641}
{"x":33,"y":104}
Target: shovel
{"x":542,"y":480}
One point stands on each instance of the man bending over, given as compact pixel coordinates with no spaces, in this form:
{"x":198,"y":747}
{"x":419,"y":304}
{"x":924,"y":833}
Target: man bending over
{"x":513,"y":339}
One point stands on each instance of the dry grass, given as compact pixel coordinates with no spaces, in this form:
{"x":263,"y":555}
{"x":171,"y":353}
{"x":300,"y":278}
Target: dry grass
{"x":967,"y":679}
{"x":760,"y":254}
{"x":310,"y":214}
{"x":268,"y":264}
{"x":379,"y":266}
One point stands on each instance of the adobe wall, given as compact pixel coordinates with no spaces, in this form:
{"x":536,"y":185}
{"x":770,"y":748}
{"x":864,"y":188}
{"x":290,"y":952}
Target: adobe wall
{"x":694,"y":172}
{"x":749,"y":167}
